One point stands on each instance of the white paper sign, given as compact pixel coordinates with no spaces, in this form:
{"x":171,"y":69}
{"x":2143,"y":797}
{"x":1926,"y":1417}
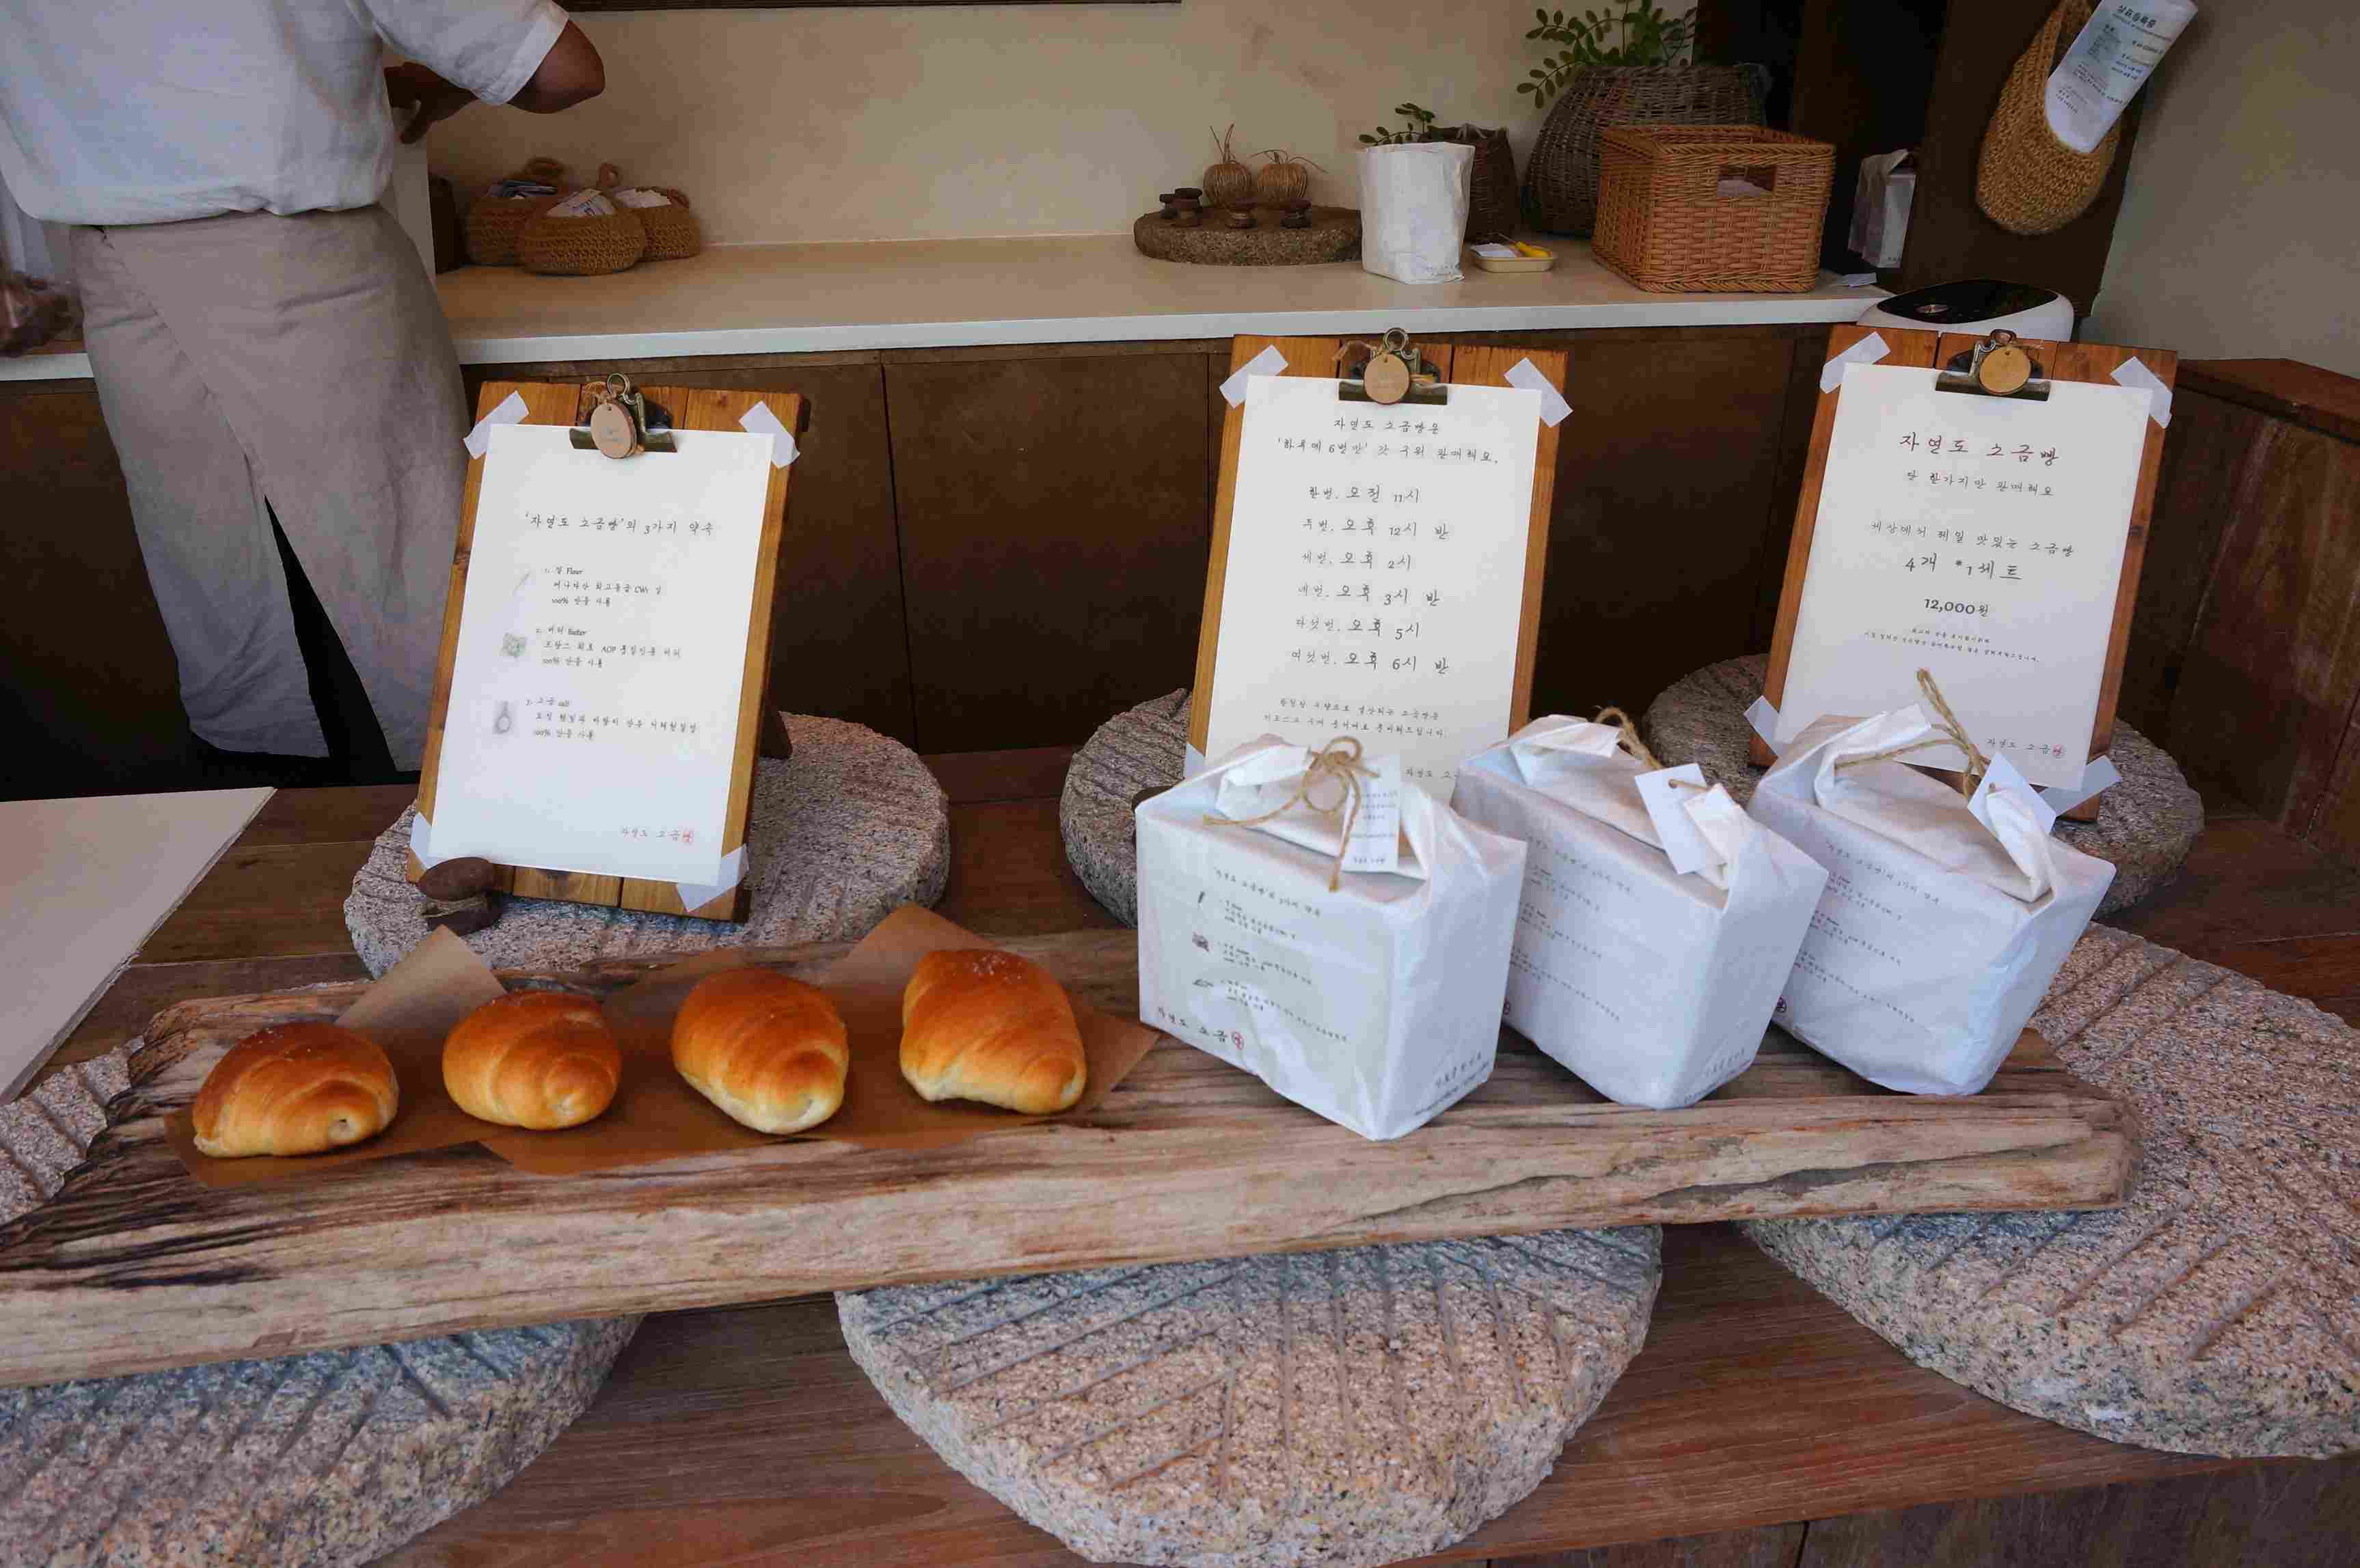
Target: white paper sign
{"x":593,"y":721}
{"x":1978,"y":538}
{"x":1376,"y":573}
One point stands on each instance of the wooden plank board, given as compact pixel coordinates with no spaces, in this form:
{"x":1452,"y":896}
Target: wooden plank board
{"x":134,"y":1267}
{"x":569,"y":403}
{"x":2094,"y":362}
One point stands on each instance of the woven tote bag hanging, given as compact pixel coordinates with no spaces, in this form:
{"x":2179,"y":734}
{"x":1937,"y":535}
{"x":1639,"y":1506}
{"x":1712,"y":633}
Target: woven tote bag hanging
{"x":2027,"y":180}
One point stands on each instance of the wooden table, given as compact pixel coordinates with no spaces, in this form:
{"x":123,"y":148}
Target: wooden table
{"x":1761,"y":1423}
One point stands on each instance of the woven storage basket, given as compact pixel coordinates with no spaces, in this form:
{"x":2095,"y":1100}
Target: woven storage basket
{"x":1492,"y":185}
{"x":580,"y":247}
{"x":673,"y":232}
{"x":1561,"y":173}
{"x":493,"y":222}
{"x":2027,"y":180}
{"x":1664,"y":223}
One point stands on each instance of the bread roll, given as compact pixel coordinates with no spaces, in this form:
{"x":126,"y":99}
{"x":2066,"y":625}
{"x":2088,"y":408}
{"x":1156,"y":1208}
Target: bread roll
{"x":536,"y":1059}
{"x":297,"y":1088}
{"x":981,"y":1024}
{"x":768,"y":1050}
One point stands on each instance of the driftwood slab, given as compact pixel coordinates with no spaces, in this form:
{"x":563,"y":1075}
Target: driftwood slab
{"x":133,"y":1267}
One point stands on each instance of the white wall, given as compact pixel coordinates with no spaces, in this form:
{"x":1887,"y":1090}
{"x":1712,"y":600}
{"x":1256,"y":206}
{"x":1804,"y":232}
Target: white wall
{"x":2239,"y":237}
{"x":889,"y":123}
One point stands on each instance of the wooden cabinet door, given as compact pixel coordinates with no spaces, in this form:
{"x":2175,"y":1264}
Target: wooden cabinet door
{"x":89,"y":690}
{"x":1673,"y":504}
{"x":1056,"y":513}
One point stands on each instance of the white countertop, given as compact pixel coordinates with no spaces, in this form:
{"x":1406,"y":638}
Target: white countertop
{"x":801,"y":298}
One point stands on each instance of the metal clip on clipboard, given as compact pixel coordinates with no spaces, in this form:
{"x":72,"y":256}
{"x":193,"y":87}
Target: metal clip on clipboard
{"x":1998,"y":367}
{"x":624,"y":424}
{"x":1391,"y":371}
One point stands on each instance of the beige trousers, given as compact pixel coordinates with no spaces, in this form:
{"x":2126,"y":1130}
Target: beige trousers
{"x":301,"y":361}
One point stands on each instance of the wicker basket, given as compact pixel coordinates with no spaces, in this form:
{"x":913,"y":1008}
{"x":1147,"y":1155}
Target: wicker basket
{"x":1492,"y":185}
{"x":493,"y":222}
{"x":2026,"y":179}
{"x":581,"y":247}
{"x":1561,"y":175}
{"x":673,"y":232}
{"x":1665,"y":222}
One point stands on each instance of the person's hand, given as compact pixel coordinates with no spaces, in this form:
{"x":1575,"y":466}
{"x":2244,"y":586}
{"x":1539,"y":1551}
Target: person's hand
{"x":411,"y":85}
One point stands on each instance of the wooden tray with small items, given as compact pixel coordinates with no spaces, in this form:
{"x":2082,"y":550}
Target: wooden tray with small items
{"x":134,"y":1267}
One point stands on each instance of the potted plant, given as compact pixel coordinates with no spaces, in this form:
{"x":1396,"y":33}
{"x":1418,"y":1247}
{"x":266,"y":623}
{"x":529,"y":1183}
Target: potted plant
{"x":1618,"y":66}
{"x":1491,"y":184}
{"x":1414,"y":192}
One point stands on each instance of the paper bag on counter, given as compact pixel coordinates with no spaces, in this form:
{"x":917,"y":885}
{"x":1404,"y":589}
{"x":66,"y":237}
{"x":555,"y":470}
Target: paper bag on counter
{"x":1376,"y":1005}
{"x":1650,"y":975}
{"x":1944,"y":919}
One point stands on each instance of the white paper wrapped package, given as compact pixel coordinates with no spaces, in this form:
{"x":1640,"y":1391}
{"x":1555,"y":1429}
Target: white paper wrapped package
{"x":1944,"y":919}
{"x":1654,"y":984}
{"x":1376,"y":1005}
{"x":1414,"y":199}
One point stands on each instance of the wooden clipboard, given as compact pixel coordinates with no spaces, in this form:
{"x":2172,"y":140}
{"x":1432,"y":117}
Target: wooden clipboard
{"x":2093,"y":362}
{"x":1461,"y":364}
{"x":568,"y":403}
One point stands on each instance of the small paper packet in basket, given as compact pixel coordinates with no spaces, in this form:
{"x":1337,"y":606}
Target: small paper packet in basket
{"x":1946,"y":916}
{"x":1371,"y":997}
{"x":1658,"y":922}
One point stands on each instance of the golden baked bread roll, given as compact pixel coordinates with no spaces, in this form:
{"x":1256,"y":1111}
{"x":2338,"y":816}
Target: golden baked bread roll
{"x":536,"y":1059}
{"x":767,"y":1049}
{"x":297,"y":1088}
{"x":982,"y":1025}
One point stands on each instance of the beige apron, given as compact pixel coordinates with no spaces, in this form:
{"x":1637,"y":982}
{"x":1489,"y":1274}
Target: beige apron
{"x":303,"y":360}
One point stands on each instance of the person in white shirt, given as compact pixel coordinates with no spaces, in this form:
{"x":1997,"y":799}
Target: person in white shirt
{"x":267,"y":344}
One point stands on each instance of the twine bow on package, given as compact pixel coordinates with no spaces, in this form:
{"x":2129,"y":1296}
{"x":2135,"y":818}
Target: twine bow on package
{"x":1659,"y":921}
{"x":1371,"y":996}
{"x":1946,"y":915}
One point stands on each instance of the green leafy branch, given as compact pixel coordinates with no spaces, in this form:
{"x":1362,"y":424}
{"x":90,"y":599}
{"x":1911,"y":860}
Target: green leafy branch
{"x":1637,"y":35}
{"x":1420,"y":127}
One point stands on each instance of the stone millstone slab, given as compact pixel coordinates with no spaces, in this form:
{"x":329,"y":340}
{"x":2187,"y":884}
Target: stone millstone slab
{"x":839,"y":836}
{"x":315,"y":1461}
{"x":2145,"y":825}
{"x":1340,"y":1409}
{"x":1333,"y":235}
{"x":2220,"y":1312}
{"x":1142,"y":748}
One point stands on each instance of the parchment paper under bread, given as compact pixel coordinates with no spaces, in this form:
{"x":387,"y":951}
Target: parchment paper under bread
{"x":655,"y":1115}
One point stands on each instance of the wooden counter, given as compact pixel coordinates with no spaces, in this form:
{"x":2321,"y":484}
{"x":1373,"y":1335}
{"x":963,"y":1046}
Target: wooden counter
{"x":1760,"y":1422}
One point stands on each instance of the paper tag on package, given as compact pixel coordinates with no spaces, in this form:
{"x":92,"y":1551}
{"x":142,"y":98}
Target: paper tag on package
{"x":1376,"y":1004}
{"x":1650,"y":976}
{"x":1944,"y":919}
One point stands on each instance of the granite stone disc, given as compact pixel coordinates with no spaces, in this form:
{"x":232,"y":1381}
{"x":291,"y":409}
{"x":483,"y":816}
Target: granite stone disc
{"x":314,"y":1461}
{"x":1340,"y":1408}
{"x":2219,"y":1313}
{"x":1142,"y":748}
{"x":843,"y":833}
{"x":2145,"y":825}
{"x":1333,"y":235}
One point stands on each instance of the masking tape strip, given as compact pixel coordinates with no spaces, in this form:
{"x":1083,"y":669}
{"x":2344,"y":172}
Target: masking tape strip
{"x":1268,"y":362}
{"x":1554,"y":408}
{"x":760,"y":420}
{"x":1765,"y":719}
{"x":2099,"y":775}
{"x":1867,"y":351}
{"x":512,"y":410}
{"x":421,"y":836}
{"x":696,"y":895}
{"x":2131,"y":373}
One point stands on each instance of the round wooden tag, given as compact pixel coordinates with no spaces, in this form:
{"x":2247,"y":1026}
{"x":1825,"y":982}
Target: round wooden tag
{"x":612,"y":431}
{"x":2005,"y":369}
{"x":1386,"y":381}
